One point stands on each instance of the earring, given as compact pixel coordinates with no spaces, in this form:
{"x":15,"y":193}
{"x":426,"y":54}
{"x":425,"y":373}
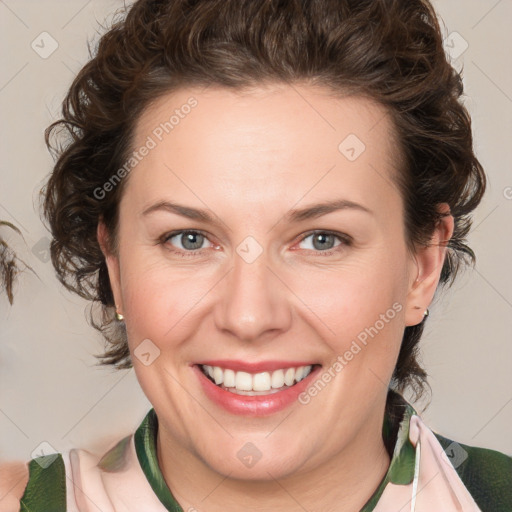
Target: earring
{"x":425,"y":313}
{"x":119,"y":316}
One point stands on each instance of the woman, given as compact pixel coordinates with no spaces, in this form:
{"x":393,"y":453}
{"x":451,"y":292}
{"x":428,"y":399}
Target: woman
{"x":257,"y":132}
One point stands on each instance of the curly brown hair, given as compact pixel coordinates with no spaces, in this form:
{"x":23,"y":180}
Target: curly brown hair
{"x":390,"y":51}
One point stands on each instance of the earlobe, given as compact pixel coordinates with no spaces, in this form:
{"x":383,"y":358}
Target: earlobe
{"x":112,"y":262}
{"x":429,"y":263}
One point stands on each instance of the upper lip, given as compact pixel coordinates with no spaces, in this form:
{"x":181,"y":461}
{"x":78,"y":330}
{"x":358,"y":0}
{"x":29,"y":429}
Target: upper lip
{"x":256,"y":367}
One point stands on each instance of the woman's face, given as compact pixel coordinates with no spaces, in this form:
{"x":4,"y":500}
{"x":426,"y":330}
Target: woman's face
{"x":254,"y":290}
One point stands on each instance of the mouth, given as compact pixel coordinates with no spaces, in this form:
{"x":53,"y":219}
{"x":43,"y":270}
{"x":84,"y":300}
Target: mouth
{"x":255,"y":389}
{"x":258,"y":383}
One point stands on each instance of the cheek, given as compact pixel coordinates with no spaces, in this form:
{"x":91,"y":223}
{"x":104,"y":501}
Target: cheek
{"x":160,"y":301}
{"x":358,"y":310}
{"x":347,"y":301}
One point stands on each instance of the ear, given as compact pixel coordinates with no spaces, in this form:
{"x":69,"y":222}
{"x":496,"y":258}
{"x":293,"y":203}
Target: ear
{"x":112,"y":261}
{"x":428,"y":264}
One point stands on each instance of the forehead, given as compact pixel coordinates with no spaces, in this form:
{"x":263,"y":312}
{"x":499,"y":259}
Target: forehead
{"x":272,"y":109}
{"x":266,"y":144}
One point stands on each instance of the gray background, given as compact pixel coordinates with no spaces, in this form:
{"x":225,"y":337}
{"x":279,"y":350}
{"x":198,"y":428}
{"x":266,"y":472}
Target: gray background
{"x":50,"y":390}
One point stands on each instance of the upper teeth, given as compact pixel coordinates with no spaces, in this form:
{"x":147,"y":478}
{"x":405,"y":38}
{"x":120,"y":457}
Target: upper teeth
{"x":263,"y":381}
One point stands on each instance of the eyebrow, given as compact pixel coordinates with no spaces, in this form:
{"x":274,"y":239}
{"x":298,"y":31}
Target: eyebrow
{"x":298,"y":215}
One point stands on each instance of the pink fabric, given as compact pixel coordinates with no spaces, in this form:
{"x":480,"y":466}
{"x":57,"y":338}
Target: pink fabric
{"x":438,"y":487}
{"x":123,"y":490}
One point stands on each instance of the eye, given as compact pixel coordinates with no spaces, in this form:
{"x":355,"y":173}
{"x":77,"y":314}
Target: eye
{"x":322,"y":241}
{"x":189,"y":241}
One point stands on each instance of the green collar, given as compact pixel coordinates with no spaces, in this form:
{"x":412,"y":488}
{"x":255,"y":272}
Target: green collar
{"x":400,"y":471}
{"x":401,"y":468}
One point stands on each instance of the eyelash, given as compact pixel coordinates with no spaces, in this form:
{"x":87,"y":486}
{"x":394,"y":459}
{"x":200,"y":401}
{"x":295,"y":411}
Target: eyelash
{"x":345,"y":239}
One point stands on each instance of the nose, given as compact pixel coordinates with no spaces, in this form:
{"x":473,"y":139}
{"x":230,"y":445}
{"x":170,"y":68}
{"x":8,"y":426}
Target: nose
{"x":255,"y":302}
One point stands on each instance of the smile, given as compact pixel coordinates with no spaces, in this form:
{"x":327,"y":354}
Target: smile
{"x":244,"y":383}
{"x":254,"y":389}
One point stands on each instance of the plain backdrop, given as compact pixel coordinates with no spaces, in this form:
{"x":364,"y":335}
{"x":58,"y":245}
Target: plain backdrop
{"x":50,"y":390}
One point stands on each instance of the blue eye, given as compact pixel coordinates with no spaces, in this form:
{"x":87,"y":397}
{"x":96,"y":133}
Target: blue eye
{"x":192,"y":241}
{"x":322,"y":242}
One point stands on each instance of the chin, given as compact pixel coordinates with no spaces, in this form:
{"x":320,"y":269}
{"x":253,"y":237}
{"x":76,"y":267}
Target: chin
{"x":254,"y":460}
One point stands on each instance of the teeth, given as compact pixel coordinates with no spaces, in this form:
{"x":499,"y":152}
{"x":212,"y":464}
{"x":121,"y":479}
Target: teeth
{"x":261,"y":382}
{"x":264,"y":381}
{"x":243,"y":381}
{"x":289,"y":376}
{"x":278,"y":379}
{"x":229,"y":377}
{"x":218,"y":375}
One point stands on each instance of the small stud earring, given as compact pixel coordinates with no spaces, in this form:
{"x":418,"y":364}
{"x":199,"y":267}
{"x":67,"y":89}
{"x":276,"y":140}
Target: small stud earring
{"x":425,"y":313}
{"x":119,"y":316}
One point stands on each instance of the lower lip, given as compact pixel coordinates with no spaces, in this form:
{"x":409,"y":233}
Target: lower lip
{"x":260,"y":405}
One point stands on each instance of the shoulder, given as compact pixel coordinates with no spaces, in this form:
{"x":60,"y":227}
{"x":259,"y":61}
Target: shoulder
{"x":486,"y":473}
{"x":67,"y":480}
{"x":33,"y":485}
{"x":13,"y":480}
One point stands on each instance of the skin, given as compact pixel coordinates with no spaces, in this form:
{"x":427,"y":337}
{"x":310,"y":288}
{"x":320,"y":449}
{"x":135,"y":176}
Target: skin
{"x":250,"y":158}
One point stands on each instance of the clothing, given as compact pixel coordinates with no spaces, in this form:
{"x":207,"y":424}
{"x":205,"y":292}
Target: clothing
{"x":428,"y":472}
